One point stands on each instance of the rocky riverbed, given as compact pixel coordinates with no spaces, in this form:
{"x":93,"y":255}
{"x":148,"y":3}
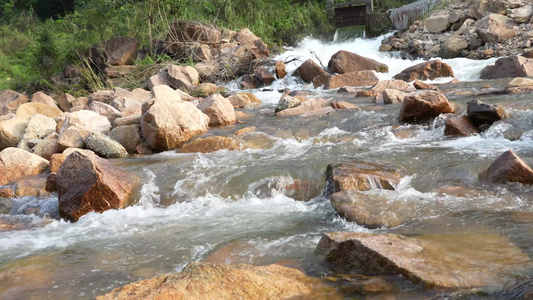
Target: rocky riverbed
{"x":373,"y":177}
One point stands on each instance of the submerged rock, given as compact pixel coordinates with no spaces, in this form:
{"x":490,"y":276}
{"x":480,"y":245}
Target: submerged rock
{"x":362,"y":176}
{"x":360,"y":78}
{"x":211,"y":144}
{"x":86,"y":182}
{"x":423,"y":106}
{"x":508,"y":168}
{"x":460,"y":126}
{"x":220,"y":281}
{"x":309,"y":105}
{"x":445,"y":261}
{"x":426,"y":70}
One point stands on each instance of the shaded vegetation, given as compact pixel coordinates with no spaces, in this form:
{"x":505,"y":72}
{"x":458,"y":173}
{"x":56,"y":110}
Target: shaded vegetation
{"x":39,"y":38}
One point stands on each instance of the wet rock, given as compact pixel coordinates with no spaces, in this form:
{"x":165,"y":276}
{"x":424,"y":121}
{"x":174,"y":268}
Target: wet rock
{"x":280,"y":69}
{"x":484,"y":115}
{"x":426,"y":70}
{"x":104,"y":146}
{"x":371,"y":211}
{"x":390,"y":84}
{"x":5,"y":206}
{"x":89,"y":183}
{"x":183,"y":78}
{"x":365,"y":93}
{"x":346,"y":62}
{"x":241,"y":281}
{"x":347,"y":89}
{"x":245,"y":130}
{"x":287,"y":102}
{"x":284,"y":185}
{"x":361,"y":176}
{"x":509,"y":67}
{"x":121,"y":50}
{"x":438,"y":22}
{"x":460,"y":126}
{"x":10,"y":101}
{"x":495,"y":28}
{"x":129,"y":136}
{"x":7,"y":192}
{"x":219,"y":110}
{"x":343,"y":105}
{"x":264,"y":75}
{"x":306,"y":106}
{"x":423,"y":106}
{"x":240,"y":115}
{"x":319,"y":112}
{"x":444,"y":263}
{"x":211,"y":144}
{"x":167,"y":124}
{"x":242,"y":100}
{"x":33,"y":186}
{"x":508,"y":168}
{"x":391,"y":96}
{"x":252,"y":43}
{"x":308,"y":71}
{"x":420,"y":85}
{"x":143,"y":149}
{"x":521,"y":82}
{"x":361,"y":78}
{"x":321,"y":80}
{"x":51,"y":182}
{"x":16,"y":222}
{"x":15,"y":163}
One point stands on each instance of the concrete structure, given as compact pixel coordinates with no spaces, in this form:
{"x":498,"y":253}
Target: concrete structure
{"x":351,"y":13}
{"x":403,"y":17}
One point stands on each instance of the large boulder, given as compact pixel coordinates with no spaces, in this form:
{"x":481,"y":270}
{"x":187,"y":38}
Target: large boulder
{"x":346,"y":62}
{"x":508,"y":168}
{"x":362,"y":176}
{"x":484,"y":115}
{"x":219,"y":110}
{"x":309,"y":105}
{"x":443,"y":263}
{"x":459,"y":126}
{"x":423,"y":106}
{"x":309,"y":70}
{"x":509,"y":67}
{"x":188,"y":31}
{"x":104,"y":146}
{"x":222,"y":281}
{"x":10,"y":101}
{"x":495,"y":28}
{"x":252,"y":43}
{"x":361,"y":78}
{"x":183,"y":78}
{"x":438,"y":22}
{"x":121,"y":50}
{"x":86,"y":182}
{"x":426,"y":70}
{"x":15,"y":163}
{"x":167,"y":124}
{"x":453,"y":46}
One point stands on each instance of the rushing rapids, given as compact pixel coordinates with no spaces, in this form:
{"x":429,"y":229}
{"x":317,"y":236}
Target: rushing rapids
{"x":238,"y":207}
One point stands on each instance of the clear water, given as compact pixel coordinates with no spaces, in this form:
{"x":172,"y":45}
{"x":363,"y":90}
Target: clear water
{"x":209,"y":206}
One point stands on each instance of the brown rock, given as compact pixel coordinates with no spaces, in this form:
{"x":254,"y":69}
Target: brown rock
{"x":51,"y":182}
{"x":56,"y":160}
{"x":252,"y":43}
{"x":509,"y":67}
{"x":7,"y":192}
{"x":31,"y":186}
{"x":187,"y":31}
{"x":221,"y":281}
{"x":121,"y":50}
{"x":359,"y":176}
{"x":346,"y":62}
{"x":426,"y":70}
{"x":183,"y":78}
{"x":249,"y":82}
{"x":508,"y":168}
{"x":88,"y":183}
{"x":453,"y":46}
{"x":104,"y":96}
{"x":391,"y":96}
{"x":264,"y":75}
{"x":422,"y":106}
{"x":143,"y":149}
{"x":133,"y":120}
{"x":105,"y":110}
{"x":347,"y":89}
{"x":308,"y":71}
{"x":420,"y":85}
{"x":167,"y":124}
{"x":343,"y":105}
{"x":203,"y":90}
{"x":495,"y":28}
{"x":365,"y":93}
{"x":246,"y":130}
{"x":128,"y":136}
{"x":242,"y":100}
{"x":241,"y":115}
{"x":280,"y":69}
{"x":444,"y":263}
{"x":10,"y":101}
{"x":78,"y":125}
{"x":211,"y":144}
{"x":381,"y":86}
{"x":219,"y":110}
{"x":438,"y":22}
{"x":15,"y":163}
{"x":460,"y":126}
{"x":306,"y":106}
{"x":361,"y":78}
{"x":321,"y":80}
{"x":43,"y":98}
{"x":126,"y":106}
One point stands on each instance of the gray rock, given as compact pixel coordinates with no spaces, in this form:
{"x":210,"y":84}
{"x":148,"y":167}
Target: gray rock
{"x":104,"y":146}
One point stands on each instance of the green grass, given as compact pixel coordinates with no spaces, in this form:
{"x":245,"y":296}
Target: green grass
{"x":32,"y":49}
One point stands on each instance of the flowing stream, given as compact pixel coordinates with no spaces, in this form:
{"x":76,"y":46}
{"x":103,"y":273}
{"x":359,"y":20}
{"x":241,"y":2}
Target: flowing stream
{"x":234,"y":207}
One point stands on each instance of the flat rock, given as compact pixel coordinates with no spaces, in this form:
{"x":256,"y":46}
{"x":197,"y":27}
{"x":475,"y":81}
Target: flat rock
{"x":508,"y":168}
{"x":306,"y":106}
{"x":362,"y":176}
{"x":451,"y":261}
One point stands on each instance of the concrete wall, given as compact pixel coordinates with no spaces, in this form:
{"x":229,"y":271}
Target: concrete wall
{"x":404,"y":16}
